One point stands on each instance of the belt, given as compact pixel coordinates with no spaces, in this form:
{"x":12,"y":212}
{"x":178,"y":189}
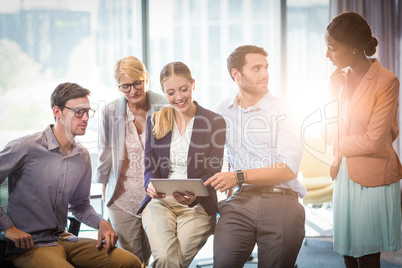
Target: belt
{"x":268,"y":189}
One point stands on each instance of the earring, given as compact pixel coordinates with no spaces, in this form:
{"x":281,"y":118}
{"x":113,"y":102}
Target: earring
{"x":354,"y":52}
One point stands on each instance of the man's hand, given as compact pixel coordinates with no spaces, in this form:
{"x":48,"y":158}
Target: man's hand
{"x":21,"y":239}
{"x":222,"y":181}
{"x":151,"y":191}
{"x":107,"y":233}
{"x":184,"y":199}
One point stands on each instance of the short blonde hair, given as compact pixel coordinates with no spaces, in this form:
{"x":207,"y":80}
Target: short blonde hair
{"x":131,"y":67}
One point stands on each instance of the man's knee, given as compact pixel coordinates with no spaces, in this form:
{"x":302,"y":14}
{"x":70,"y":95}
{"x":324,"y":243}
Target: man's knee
{"x":229,"y":253}
{"x":233,"y":261}
{"x":127,"y":259}
{"x":165,"y":261}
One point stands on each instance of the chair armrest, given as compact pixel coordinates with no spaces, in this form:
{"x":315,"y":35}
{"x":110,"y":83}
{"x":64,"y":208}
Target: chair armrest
{"x":74,"y":226}
{"x":3,"y":248}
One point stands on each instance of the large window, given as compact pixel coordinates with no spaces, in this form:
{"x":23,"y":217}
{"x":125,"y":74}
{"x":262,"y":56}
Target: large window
{"x":307,"y":69}
{"x":202,"y":34}
{"x":307,"y":66}
{"x":44,"y":43}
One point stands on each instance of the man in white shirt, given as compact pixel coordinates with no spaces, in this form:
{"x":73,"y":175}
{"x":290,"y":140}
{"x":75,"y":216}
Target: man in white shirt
{"x":264,"y":148}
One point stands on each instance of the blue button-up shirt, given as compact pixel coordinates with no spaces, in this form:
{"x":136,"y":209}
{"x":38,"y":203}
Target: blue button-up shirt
{"x":262,"y":135}
{"x":43,"y":184}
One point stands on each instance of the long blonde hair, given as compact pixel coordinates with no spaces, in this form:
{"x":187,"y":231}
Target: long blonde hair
{"x":164,"y":118}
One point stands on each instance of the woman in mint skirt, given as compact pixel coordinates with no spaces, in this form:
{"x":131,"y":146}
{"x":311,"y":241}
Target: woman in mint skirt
{"x":366,"y":168}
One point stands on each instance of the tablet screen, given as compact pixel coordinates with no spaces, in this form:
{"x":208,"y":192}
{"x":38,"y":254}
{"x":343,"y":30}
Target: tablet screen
{"x":169,"y":186}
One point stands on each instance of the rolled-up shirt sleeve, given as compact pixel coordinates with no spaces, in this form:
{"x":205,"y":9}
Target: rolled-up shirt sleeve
{"x":289,"y":145}
{"x":267,"y":134}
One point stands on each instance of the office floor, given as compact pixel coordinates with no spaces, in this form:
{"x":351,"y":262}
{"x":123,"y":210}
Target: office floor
{"x":316,"y":252}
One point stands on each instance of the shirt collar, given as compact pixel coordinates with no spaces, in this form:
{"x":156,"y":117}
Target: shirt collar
{"x":264,"y":103}
{"x":52,"y":142}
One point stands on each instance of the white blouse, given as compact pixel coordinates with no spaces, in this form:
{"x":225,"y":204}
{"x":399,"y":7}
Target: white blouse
{"x":179,"y":147}
{"x":130,"y":193}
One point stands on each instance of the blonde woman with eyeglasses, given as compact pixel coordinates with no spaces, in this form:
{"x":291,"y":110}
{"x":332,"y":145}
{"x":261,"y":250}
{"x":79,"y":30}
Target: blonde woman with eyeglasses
{"x":121,"y":153}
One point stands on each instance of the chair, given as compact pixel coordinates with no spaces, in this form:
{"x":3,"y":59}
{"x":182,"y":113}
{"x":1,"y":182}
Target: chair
{"x":314,"y":171}
{"x":73,"y":227}
{"x":314,"y":168}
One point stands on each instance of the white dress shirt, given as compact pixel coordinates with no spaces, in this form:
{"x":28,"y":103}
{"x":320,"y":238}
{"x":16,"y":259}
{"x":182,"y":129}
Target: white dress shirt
{"x":262,"y":135}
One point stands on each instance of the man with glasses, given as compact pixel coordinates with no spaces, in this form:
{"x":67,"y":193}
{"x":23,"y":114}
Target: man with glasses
{"x":48,"y":174}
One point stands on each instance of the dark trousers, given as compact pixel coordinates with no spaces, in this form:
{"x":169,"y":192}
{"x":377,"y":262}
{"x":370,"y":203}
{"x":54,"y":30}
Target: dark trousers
{"x":274,"y":221}
{"x":366,"y":261}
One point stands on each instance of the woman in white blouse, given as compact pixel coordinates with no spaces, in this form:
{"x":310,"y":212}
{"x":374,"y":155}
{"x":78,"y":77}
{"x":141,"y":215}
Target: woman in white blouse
{"x":121,"y":153}
{"x":183,"y":141}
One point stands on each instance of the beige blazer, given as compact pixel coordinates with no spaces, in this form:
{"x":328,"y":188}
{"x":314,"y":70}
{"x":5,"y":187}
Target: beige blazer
{"x":367,"y":128}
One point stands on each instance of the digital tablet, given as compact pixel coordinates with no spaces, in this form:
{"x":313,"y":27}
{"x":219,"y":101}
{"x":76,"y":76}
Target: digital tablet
{"x":169,"y":186}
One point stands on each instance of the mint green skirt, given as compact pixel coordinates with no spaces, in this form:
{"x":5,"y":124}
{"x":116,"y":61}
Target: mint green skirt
{"x":366,"y":219}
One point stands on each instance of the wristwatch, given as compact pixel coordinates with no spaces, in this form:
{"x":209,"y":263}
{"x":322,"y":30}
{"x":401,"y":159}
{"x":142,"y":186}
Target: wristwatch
{"x":240,"y":177}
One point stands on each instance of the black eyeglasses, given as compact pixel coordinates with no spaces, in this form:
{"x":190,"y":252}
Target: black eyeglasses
{"x":127,"y":87}
{"x":79,"y":112}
